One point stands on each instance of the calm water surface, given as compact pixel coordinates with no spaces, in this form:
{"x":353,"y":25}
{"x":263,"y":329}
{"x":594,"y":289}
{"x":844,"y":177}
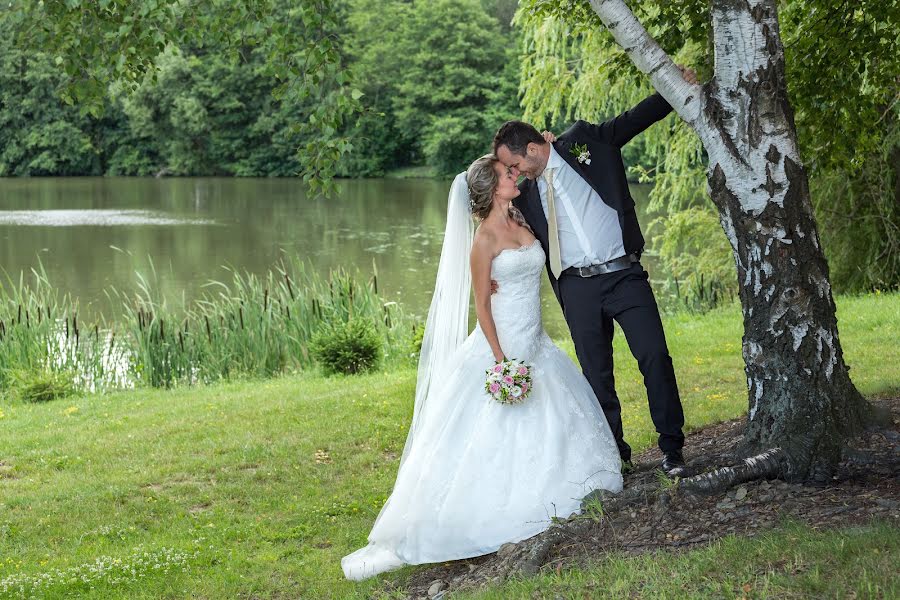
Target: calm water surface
{"x":91,"y":234}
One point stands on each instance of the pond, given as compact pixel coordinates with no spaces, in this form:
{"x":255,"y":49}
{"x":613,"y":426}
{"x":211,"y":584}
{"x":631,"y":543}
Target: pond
{"x":91,"y":234}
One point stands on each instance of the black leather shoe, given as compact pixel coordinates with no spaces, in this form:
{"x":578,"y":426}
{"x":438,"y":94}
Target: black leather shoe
{"x":673,"y":464}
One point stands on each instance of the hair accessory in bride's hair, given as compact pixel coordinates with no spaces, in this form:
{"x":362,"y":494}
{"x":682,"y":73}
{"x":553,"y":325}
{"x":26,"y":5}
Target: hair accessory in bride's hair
{"x":469,"y":194}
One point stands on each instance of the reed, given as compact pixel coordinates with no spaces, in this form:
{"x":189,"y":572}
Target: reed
{"x":41,"y":334}
{"x":251,"y":325}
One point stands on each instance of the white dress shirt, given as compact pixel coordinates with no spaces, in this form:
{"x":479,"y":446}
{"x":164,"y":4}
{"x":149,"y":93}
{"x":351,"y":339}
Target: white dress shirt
{"x":589,"y":230}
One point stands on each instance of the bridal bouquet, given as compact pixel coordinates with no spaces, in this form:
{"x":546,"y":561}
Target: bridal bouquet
{"x":508,"y":382}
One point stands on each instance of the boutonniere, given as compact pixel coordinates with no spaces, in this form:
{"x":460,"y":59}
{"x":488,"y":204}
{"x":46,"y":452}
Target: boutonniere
{"x":582,"y":154}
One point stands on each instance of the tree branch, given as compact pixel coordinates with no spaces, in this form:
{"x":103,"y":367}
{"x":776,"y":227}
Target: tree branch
{"x":688,"y":100}
{"x":695,"y":104}
{"x":646,"y":54}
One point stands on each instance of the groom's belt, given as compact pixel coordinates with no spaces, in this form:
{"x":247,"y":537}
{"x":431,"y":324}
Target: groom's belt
{"x":610,"y":266}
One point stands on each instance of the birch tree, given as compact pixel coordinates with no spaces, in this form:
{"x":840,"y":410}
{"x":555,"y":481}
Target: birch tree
{"x":802,"y":403}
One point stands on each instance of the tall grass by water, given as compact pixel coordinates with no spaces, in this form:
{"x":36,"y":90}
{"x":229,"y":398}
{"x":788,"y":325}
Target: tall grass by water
{"x":256,"y":326}
{"x":45,"y":347}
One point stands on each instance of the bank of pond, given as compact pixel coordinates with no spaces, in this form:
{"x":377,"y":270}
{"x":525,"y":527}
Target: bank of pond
{"x":292,"y":319}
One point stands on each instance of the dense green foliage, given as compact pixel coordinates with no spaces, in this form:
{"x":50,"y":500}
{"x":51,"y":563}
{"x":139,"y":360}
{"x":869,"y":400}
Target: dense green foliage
{"x":39,"y":134}
{"x":177,"y":96}
{"x":196,"y":116}
{"x":42,"y":385}
{"x":92,"y":50}
{"x":202,"y":115}
{"x":437,"y":84}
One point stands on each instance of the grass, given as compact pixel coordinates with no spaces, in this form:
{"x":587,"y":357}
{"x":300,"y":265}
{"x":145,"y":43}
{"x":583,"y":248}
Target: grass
{"x":257,"y":488}
{"x":793,"y":562}
{"x":42,"y":337}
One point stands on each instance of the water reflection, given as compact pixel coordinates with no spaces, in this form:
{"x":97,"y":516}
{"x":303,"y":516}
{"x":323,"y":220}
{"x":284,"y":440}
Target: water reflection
{"x":98,"y":217}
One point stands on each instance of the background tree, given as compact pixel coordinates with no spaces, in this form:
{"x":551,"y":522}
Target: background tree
{"x":39,"y":135}
{"x":233,"y":89}
{"x":436,"y":84}
{"x":201,"y":114}
{"x":101,"y":42}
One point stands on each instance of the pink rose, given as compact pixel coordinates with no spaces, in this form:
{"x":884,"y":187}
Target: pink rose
{"x":524,"y":387}
{"x":495,"y":387}
{"x":523,"y":370}
{"x":508,"y":380}
{"x":498,"y":368}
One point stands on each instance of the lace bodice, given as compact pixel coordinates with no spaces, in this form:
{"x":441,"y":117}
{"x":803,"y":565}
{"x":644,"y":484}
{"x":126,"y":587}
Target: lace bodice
{"x":516,"y":307}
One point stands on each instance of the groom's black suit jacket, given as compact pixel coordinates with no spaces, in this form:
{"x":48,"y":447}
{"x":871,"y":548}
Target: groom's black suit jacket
{"x":606,"y":173}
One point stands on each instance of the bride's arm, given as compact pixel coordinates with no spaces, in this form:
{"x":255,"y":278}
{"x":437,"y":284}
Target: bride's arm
{"x":480,"y":262}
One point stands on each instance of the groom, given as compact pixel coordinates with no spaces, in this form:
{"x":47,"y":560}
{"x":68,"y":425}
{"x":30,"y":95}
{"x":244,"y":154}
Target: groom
{"x":575,"y":198}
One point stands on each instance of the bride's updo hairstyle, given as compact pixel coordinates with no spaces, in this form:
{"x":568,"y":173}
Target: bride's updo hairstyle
{"x":482,"y":181}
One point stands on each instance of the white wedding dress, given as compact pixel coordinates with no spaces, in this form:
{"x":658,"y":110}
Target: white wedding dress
{"x":477,"y":473}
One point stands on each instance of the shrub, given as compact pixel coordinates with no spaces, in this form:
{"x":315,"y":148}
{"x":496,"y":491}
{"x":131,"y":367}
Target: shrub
{"x":42,"y":386}
{"x":347,"y":347}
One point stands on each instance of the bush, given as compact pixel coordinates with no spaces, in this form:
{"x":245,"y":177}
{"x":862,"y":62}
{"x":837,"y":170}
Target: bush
{"x":347,"y":347}
{"x":42,"y":386}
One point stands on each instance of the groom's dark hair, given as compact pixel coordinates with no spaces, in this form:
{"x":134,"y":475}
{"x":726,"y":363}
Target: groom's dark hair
{"x":516,"y":135}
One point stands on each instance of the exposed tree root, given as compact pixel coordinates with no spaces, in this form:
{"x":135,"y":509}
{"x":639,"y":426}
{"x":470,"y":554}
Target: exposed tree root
{"x":768,"y":465}
{"x":859,"y":457}
{"x":527,"y":557}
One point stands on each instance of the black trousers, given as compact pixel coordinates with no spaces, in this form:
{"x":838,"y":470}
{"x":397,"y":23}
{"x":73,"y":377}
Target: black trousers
{"x":590,"y":306}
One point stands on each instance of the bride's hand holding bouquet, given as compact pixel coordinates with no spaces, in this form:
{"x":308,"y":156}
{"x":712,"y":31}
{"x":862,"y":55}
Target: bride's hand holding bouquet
{"x":508,"y":381}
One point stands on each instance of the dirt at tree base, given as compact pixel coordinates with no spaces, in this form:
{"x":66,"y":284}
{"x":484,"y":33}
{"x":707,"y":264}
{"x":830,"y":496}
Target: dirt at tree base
{"x":864,"y":487}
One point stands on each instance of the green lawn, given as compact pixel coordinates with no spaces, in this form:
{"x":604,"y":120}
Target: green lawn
{"x":257,"y":488}
{"x":793,"y":562}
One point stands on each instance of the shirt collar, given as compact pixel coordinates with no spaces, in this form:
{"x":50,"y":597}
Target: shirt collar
{"x":554,"y":161}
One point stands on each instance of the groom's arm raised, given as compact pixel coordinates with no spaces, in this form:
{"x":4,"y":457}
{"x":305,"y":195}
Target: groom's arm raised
{"x":619,"y":130}
{"x":480,"y":263}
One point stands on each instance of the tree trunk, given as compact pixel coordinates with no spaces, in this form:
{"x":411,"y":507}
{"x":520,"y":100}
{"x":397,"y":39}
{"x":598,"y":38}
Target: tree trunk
{"x":801,"y":399}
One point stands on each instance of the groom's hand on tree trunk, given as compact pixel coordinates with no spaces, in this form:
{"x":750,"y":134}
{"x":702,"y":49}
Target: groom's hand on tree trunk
{"x":689,"y":74}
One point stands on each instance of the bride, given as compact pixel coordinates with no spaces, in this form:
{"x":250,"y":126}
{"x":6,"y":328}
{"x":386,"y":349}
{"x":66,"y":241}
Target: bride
{"x":475,"y":473}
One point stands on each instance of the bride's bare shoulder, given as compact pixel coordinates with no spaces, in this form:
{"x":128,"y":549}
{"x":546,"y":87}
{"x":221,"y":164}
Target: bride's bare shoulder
{"x":485,"y":242}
